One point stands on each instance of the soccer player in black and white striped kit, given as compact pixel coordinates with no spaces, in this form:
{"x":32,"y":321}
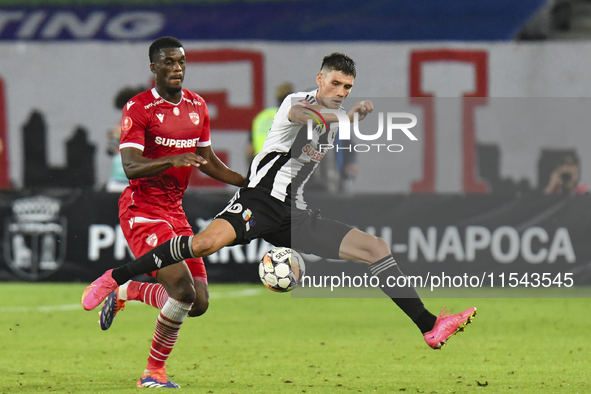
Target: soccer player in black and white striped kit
{"x":271,"y":206}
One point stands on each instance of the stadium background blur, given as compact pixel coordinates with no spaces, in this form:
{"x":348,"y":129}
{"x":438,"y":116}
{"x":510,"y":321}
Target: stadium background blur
{"x":500,"y":89}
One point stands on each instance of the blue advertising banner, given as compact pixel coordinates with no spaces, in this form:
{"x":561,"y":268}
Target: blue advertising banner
{"x":345,"y":20}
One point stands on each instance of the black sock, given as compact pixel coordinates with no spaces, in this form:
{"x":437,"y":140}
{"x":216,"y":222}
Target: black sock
{"x":405,"y":297}
{"x":426,"y":321}
{"x":170,"y":252}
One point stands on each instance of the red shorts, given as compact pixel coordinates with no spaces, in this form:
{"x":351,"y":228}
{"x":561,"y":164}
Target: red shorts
{"x":147,"y":227}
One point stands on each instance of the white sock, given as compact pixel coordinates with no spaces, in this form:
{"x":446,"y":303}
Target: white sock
{"x":122,"y":292}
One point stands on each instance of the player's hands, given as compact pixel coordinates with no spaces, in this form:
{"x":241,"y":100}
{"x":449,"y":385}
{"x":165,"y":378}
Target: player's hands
{"x":555,"y":178}
{"x":187,"y":159}
{"x":363,"y":108}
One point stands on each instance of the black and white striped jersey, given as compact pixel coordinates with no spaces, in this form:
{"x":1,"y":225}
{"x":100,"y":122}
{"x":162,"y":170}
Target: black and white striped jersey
{"x":288,"y":157}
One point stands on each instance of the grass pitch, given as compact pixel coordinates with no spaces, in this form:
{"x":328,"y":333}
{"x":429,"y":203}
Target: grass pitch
{"x":255,"y":341}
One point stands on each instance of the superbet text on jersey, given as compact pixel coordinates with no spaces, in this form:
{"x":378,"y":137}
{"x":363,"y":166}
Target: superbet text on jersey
{"x":160,"y":128}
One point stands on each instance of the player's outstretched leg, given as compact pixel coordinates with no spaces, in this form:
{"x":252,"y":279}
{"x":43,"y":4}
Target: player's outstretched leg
{"x":170,"y":252}
{"x":447,"y":326}
{"x":436,"y":330}
{"x":98,"y":290}
{"x":357,"y":245}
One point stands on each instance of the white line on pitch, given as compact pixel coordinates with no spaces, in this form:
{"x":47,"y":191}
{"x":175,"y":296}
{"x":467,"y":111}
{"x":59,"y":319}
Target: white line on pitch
{"x":46,"y":309}
{"x":72,"y":307}
{"x":237,"y":293}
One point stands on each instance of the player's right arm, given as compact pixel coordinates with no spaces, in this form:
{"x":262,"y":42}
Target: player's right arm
{"x":300,"y":113}
{"x":137,"y":166}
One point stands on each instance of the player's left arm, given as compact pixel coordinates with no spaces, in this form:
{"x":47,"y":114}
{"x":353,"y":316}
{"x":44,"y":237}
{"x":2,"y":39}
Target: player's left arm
{"x":216,"y":169}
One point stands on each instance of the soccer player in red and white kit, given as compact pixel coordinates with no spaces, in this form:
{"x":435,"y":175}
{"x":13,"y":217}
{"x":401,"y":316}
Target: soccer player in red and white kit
{"x":165,"y":133}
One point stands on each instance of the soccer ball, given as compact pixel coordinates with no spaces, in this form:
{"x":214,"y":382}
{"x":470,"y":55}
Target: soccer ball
{"x":281,"y":269}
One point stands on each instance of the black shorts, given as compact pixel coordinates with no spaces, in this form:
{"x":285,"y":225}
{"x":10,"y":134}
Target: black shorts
{"x":255,"y":214}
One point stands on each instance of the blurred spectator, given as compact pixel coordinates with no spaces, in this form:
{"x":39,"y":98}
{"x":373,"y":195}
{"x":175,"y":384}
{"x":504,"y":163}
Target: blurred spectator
{"x":117,"y":180}
{"x":346,"y":159}
{"x":554,"y":15}
{"x":263,"y":121}
{"x":565,"y":178}
{"x":489,"y":170}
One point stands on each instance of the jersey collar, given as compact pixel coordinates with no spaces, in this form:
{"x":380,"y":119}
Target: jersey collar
{"x":157,"y":96}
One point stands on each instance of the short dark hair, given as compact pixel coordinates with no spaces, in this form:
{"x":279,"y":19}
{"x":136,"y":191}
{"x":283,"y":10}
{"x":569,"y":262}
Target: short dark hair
{"x":570,"y":159}
{"x":339,"y":62}
{"x":163,"y":42}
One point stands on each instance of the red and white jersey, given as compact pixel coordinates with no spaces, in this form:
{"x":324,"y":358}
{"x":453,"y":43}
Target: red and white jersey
{"x":160,"y":128}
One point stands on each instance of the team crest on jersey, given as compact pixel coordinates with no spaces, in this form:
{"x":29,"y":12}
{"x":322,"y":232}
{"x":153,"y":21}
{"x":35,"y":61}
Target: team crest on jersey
{"x":126,"y":123}
{"x":246,"y":214}
{"x":194,"y":117}
{"x":152,"y":240}
{"x":176,"y":111}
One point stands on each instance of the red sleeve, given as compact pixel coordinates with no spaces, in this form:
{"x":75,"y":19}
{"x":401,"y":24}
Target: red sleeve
{"x":582,"y":188}
{"x":133,"y":125}
{"x":205,"y":139}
